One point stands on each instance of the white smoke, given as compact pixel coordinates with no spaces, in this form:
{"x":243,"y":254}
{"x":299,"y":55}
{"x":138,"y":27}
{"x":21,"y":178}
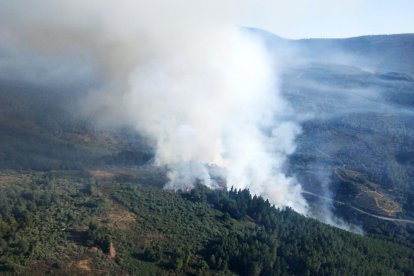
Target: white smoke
{"x":183,"y":74}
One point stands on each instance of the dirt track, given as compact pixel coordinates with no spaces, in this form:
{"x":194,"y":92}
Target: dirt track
{"x":357,"y":209}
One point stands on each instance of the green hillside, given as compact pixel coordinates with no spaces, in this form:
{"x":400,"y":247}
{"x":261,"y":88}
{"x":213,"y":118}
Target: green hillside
{"x":61,"y":222}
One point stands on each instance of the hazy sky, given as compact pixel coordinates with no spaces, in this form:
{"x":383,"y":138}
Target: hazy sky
{"x":287,"y":18}
{"x":331,"y":18}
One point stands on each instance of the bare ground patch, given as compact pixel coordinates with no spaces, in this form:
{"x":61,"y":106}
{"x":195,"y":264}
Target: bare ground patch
{"x":84,"y":265}
{"x":377,"y":203}
{"x":101,"y":174}
{"x":10,"y":177}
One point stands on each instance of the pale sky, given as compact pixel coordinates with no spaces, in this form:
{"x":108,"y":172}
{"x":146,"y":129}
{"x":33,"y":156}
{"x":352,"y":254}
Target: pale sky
{"x":331,"y":18}
{"x":286,"y":18}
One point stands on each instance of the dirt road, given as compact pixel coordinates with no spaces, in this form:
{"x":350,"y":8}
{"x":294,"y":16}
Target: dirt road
{"x":357,"y":209}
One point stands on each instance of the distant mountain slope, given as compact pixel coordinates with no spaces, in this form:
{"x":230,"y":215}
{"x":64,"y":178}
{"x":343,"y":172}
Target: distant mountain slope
{"x":377,"y":52}
{"x":40,"y":129}
{"x":356,"y":96}
{"x":359,"y":123}
{"x":381,"y":52}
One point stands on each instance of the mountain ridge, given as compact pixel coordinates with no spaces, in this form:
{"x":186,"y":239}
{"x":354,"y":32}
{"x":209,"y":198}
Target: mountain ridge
{"x":385,"y":53}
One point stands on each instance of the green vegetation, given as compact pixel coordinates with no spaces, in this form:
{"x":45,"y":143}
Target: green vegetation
{"x":43,"y":218}
{"x":62,"y":222}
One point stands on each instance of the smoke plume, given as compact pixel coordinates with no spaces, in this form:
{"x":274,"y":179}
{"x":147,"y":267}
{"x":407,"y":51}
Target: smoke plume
{"x":181,"y":73}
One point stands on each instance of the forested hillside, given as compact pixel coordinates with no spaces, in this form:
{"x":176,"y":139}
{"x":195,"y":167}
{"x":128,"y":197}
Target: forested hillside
{"x":79,"y":197}
{"x":63,"y":222}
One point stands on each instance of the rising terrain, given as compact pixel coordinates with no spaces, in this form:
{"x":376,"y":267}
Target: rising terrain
{"x":80,"y":198}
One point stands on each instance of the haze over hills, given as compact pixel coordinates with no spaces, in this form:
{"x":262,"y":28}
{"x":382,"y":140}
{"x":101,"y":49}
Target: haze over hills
{"x":356,"y":144}
{"x":382,"y":53}
{"x":71,"y":186}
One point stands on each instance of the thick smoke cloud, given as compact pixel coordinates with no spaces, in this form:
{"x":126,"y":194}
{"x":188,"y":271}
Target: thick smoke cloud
{"x":183,"y":74}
